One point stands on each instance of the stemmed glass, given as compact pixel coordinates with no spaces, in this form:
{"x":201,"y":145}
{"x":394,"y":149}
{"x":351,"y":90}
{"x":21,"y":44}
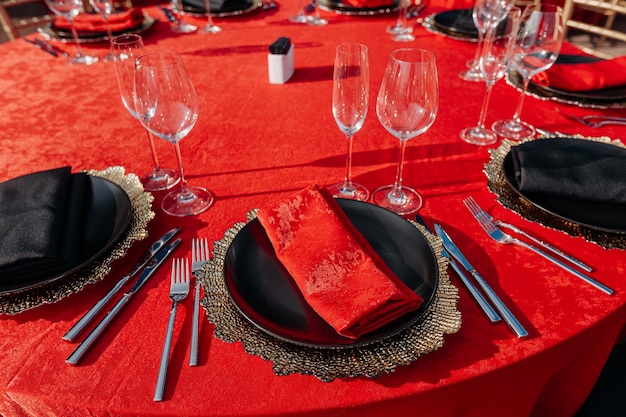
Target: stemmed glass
{"x":166,"y":102}
{"x":125,"y":49}
{"x":407,"y":105}
{"x":69,"y":9}
{"x":474,"y":73}
{"x":104,"y":8}
{"x":210,"y":27}
{"x":181,"y":26}
{"x":537,"y":47}
{"x":301,"y":16}
{"x":494,"y":61}
{"x":400,"y":31}
{"x":350,"y":100}
{"x":316,"y":20}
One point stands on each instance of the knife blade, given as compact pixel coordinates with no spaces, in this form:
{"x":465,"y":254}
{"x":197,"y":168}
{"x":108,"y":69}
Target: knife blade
{"x":145,"y":258}
{"x":491,"y":314}
{"x":152,"y":266}
{"x":42,"y":47}
{"x":508,"y":316}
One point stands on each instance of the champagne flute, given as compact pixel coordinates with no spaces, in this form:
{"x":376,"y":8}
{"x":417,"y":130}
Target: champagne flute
{"x":407,"y":105}
{"x":210,"y":27}
{"x":104,"y":8}
{"x":537,"y":47}
{"x":350,"y":100}
{"x":181,"y":26}
{"x":125,"y":49}
{"x":316,"y":20}
{"x":69,"y":9}
{"x":166,"y":102}
{"x":494,"y":61}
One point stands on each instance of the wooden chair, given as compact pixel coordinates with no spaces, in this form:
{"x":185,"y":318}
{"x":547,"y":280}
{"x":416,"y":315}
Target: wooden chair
{"x":16,"y":16}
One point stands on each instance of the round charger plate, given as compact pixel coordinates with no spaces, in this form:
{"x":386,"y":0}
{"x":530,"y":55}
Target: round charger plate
{"x":347,"y":9}
{"x":64,"y":35}
{"x":443,"y":24}
{"x":267,"y":296}
{"x":228,"y":10}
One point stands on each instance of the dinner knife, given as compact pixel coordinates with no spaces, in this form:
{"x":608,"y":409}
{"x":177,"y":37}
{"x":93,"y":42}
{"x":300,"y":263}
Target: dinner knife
{"x":491,"y":314}
{"x":106,"y":320}
{"x":145,"y":258}
{"x":508,"y":316}
{"x":42,"y":47}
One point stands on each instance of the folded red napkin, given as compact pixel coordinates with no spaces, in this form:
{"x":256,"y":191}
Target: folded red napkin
{"x":366,"y":4}
{"x":339,"y":274}
{"x":92,"y":22}
{"x":585,"y":76}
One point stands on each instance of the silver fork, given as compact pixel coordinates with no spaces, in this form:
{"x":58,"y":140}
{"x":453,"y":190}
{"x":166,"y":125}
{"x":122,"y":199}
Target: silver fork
{"x":199,"y":255}
{"x":478,"y":211}
{"x":501,"y":237}
{"x":179,"y":288}
{"x":587,"y":120}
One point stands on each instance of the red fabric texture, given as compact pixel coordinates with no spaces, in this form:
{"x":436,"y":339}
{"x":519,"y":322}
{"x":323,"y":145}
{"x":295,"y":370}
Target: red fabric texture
{"x":585,"y":76}
{"x":93,"y":22}
{"x":338,"y":273}
{"x":257,"y":142}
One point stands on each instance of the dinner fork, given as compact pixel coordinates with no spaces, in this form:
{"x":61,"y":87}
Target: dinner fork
{"x":199,"y":255}
{"x":478,"y":211}
{"x":503,"y":238}
{"x":179,"y":288}
{"x":587,"y":120}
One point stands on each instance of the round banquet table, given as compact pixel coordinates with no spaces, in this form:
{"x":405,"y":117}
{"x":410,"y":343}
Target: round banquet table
{"x":255,"y":142}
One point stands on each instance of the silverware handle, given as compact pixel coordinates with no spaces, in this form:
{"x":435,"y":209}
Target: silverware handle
{"x":549,"y":247}
{"x":84,"y":346}
{"x":480,"y":299}
{"x":88,"y":316}
{"x":568,"y":268}
{"x":610,"y":122}
{"x":193,"y":354}
{"x":160,"y":386}
{"x":508,"y":317}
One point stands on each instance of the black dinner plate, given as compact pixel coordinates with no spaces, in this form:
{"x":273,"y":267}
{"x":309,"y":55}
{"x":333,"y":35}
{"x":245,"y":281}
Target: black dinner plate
{"x":265,"y":294}
{"x":348,"y":9}
{"x":229,"y":8}
{"x":108,"y":215}
{"x":65,"y":35}
{"x":594,"y":215}
{"x":456,"y":22}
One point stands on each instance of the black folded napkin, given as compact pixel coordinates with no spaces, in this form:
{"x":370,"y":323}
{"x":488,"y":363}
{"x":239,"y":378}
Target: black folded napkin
{"x":219,"y":5}
{"x":41,"y":218}
{"x":460,"y":21}
{"x":575,"y":169}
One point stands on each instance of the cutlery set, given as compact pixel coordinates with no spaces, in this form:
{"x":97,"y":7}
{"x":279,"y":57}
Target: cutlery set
{"x":47,"y":47}
{"x":594,"y":121}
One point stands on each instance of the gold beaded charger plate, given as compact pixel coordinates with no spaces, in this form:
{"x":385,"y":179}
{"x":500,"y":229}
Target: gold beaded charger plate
{"x":119,"y":211}
{"x":343,"y":8}
{"x":326,"y":357}
{"x":604,"y":224}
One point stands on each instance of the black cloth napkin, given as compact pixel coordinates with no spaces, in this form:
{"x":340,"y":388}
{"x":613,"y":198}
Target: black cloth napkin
{"x":575,"y":169}
{"x":458,"y":21}
{"x":219,"y":5}
{"x":41,"y":218}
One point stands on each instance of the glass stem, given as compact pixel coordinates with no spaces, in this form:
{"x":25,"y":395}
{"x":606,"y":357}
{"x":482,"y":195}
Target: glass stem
{"x":483,"y":110}
{"x":396,"y":192}
{"x":155,"y":159}
{"x":347,"y":183}
{"x":185,"y":193}
{"x":317,"y":10}
{"x":402,"y":17}
{"x":79,"y":50}
{"x":108,"y":25}
{"x":520,"y":101}
{"x":479,"y":48}
{"x":208,"y":12}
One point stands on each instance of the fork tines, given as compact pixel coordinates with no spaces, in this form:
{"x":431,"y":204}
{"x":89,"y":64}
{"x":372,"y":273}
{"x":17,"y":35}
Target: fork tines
{"x":199,"y":255}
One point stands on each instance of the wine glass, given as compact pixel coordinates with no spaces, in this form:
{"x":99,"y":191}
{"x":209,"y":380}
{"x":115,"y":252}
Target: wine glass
{"x":350,"y":99}
{"x":485,"y":13}
{"x":537,"y":47}
{"x":210,"y":27}
{"x":494,"y":61}
{"x":316,"y":19}
{"x":406,"y":106}
{"x":125,"y":49}
{"x":166,"y":102}
{"x":181,"y":26}
{"x":400,"y":30}
{"x":69,"y":9}
{"x":301,"y":16}
{"x":104,"y":8}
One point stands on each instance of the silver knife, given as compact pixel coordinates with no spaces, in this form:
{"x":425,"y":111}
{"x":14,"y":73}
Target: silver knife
{"x":491,"y":314}
{"x":509,"y":318}
{"x":97,"y":331}
{"x":82,"y":323}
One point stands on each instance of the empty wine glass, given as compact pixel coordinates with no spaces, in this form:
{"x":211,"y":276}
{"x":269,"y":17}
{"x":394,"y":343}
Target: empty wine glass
{"x":210,"y":27}
{"x":350,"y":100}
{"x":166,"y":102}
{"x":104,"y":8}
{"x":484,"y":14}
{"x":494,"y":61}
{"x":181,"y":26}
{"x":125,"y":49}
{"x":537,"y":47}
{"x":316,"y":19}
{"x":407,"y":105}
{"x":400,"y":28}
{"x":301,"y":16}
{"x":69,"y":9}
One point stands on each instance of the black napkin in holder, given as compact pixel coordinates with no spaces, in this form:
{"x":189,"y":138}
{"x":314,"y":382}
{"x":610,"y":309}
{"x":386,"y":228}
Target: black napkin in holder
{"x":280,"y":61}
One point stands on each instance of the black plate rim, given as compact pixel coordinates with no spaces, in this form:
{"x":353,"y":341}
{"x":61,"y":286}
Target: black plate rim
{"x":198,"y":12}
{"x":340,"y":8}
{"x":350,"y":343}
{"x":66,"y":36}
{"x":122,"y":219}
{"x":513,"y":186}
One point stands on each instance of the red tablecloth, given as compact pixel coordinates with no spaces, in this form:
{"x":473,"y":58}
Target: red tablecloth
{"x":254,"y":140}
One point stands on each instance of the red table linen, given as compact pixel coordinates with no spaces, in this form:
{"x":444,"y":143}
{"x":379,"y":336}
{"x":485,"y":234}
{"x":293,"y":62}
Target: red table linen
{"x":339,"y":274}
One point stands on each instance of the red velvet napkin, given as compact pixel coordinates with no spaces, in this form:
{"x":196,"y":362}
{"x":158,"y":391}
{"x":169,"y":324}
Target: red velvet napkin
{"x":586,"y":76}
{"x":339,"y":274}
{"x":91,"y":22}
